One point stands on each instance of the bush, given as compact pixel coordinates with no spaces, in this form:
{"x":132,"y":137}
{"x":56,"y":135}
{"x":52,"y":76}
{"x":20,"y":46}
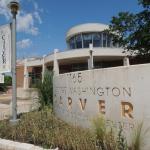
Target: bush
{"x":7,"y":82}
{"x":45,"y":89}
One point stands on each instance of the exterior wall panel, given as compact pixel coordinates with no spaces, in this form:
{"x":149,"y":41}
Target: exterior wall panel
{"x":121,"y":95}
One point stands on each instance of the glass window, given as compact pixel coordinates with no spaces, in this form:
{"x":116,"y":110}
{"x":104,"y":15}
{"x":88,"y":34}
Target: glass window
{"x":72,"y":43}
{"x":97,"y":38}
{"x":104,"y":40}
{"x":109,"y":39}
{"x":87,"y":39}
{"x":78,"y":41}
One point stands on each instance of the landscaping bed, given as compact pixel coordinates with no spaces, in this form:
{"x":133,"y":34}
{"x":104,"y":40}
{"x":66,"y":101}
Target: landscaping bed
{"x":42,"y":128}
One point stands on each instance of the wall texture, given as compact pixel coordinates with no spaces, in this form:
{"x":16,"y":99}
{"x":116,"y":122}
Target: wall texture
{"x":121,"y":95}
{"x":20,"y":75}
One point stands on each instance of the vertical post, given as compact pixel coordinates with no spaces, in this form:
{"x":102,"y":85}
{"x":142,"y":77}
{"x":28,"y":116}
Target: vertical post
{"x":90,"y":61}
{"x":26,"y":79}
{"x":14,"y":7}
{"x":126,"y":61}
{"x":14,"y":92}
{"x":56,"y":64}
{"x":43,"y":68}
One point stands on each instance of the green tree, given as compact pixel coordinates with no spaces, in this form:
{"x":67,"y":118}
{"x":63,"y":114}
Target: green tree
{"x":132,"y":30}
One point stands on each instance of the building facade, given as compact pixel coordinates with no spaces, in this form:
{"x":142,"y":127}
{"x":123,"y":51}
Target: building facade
{"x":89,"y":46}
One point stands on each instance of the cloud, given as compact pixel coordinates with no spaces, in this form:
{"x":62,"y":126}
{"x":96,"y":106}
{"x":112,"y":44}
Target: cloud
{"x":26,"y":22}
{"x":25,"y":43}
{"x":3,"y":9}
{"x":37,"y":16}
{"x":37,"y":12}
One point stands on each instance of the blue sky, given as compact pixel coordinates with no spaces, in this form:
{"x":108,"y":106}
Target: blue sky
{"x":42,"y":24}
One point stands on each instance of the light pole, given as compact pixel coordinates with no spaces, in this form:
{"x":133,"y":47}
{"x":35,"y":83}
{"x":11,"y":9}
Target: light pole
{"x":91,"y":65}
{"x":14,"y":7}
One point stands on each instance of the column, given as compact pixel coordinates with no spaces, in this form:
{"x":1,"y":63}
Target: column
{"x":26,"y":80}
{"x":90,"y":60}
{"x":126,"y":61}
{"x":56,"y":64}
{"x":43,"y":67}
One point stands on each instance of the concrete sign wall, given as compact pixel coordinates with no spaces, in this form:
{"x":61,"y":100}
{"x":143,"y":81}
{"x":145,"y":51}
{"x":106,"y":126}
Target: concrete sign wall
{"x":120,"y":94}
{"x":5,"y":49}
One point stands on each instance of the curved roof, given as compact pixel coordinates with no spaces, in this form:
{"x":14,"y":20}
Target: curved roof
{"x":88,"y":27}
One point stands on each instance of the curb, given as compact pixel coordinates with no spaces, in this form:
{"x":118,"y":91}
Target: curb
{"x":11,"y":145}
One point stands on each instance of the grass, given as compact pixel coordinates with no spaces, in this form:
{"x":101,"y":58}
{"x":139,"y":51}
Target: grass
{"x":107,"y":138}
{"x":138,"y":137}
{"x":42,"y":128}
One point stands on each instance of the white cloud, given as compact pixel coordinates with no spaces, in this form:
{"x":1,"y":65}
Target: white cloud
{"x":35,"y":5}
{"x":37,"y":12}
{"x":25,"y":23}
{"x":25,"y":43}
{"x":3,"y":9}
{"x":37,"y":16}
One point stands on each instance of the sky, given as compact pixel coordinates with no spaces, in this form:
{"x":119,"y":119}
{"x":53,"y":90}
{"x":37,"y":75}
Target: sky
{"x":42,"y":24}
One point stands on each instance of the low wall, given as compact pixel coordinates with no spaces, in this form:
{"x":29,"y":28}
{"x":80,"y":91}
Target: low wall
{"x":30,"y":93}
{"x":27,"y":100}
{"x":10,"y":145}
{"x":121,"y":94}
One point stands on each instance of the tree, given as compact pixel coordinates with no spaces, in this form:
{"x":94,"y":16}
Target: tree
{"x":132,"y":30}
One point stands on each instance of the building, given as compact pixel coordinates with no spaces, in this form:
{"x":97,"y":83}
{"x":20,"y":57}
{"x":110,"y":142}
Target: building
{"x":88,"y":46}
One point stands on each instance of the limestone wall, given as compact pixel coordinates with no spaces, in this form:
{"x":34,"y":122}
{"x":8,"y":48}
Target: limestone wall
{"x":121,"y":95}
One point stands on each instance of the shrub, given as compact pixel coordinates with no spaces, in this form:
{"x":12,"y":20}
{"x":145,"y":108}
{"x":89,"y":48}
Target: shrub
{"x":45,"y":89}
{"x":7,"y":82}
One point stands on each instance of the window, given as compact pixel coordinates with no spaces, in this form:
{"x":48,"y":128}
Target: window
{"x":109,"y":39}
{"x":104,"y":40}
{"x":72,"y":43}
{"x":87,"y":39}
{"x":78,"y":41}
{"x":97,"y":40}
